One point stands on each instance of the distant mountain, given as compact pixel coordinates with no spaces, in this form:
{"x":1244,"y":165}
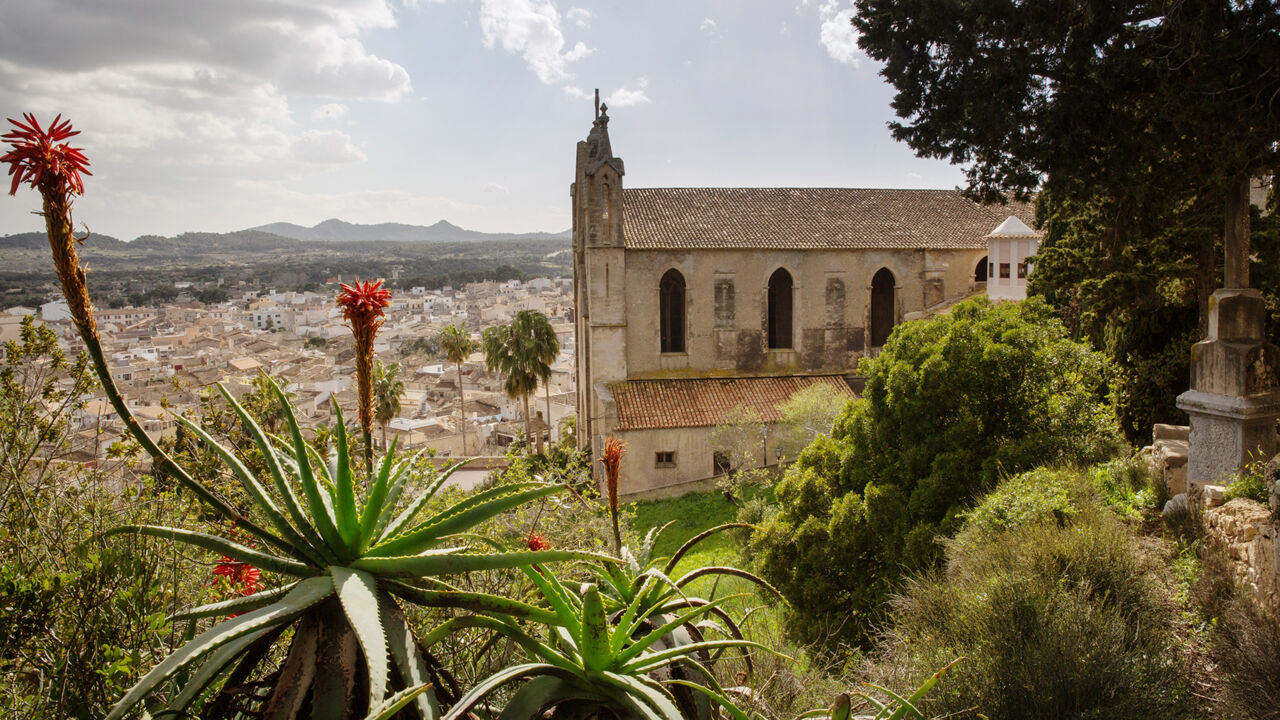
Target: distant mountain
{"x":335,"y":230}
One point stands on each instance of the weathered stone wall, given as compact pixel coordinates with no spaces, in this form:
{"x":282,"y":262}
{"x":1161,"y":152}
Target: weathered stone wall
{"x":641,"y":479}
{"x":1246,"y":531}
{"x":726,"y":305}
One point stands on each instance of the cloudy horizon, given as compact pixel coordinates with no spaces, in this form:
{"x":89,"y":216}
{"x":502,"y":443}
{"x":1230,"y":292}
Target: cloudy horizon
{"x":223,"y":116}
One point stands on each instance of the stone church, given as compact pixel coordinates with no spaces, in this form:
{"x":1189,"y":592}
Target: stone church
{"x":692,"y":301}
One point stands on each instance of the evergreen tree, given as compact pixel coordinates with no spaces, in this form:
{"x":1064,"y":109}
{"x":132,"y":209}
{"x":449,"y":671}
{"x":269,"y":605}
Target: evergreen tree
{"x":388,"y":388}
{"x":458,"y":346}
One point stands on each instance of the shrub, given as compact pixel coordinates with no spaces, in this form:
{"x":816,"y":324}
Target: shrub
{"x":1251,"y":482}
{"x":950,"y":405}
{"x":1060,"y":612}
{"x":1244,"y":642}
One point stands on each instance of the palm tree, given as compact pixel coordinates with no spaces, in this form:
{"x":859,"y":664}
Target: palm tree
{"x":388,"y":388}
{"x":519,"y":351}
{"x":458,"y":346}
{"x":547,"y":348}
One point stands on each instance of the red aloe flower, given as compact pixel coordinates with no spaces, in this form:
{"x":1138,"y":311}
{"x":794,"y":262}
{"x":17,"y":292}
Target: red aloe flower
{"x":362,"y":306}
{"x":536,"y":542}
{"x":41,"y":158}
{"x":248,"y":577}
{"x":611,"y":458}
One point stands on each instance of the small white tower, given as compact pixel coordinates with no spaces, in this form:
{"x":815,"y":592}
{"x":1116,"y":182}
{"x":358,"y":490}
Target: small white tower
{"x":1008,"y":248}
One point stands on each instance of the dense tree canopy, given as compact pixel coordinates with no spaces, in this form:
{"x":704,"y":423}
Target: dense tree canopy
{"x":951,"y":405}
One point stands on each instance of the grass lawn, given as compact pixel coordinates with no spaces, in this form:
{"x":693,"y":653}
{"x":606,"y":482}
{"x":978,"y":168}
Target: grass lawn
{"x":691,"y":514}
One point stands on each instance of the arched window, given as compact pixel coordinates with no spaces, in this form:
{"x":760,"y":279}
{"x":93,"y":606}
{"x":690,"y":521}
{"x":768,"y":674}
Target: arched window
{"x":980,"y":271}
{"x":780,"y":286}
{"x":882,"y":310}
{"x":671,"y":311}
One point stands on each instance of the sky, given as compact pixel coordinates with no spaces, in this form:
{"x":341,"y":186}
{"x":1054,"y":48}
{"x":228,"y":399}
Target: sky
{"x":202,"y":115}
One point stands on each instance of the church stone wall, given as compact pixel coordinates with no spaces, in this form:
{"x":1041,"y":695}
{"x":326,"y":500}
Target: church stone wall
{"x":726,"y":305}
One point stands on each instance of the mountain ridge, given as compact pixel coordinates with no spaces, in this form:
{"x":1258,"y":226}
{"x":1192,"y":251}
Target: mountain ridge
{"x":337,"y":230}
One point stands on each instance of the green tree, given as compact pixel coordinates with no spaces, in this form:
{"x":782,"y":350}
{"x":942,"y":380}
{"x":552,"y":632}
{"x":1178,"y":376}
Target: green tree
{"x":458,"y":346}
{"x":807,"y":414}
{"x":520,"y":351}
{"x":547,"y":347}
{"x":951,"y":405}
{"x":388,"y":388}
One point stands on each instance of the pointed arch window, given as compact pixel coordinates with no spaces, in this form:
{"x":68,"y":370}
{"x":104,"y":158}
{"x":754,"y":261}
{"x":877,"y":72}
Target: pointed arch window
{"x":671,"y":311}
{"x":780,"y":287}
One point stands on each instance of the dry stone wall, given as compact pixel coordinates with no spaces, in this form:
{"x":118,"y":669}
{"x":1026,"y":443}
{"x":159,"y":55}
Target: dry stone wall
{"x":1248,"y":534}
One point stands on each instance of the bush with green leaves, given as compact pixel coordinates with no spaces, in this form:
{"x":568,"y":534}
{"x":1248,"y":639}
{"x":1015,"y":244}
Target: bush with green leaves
{"x":1061,"y":609}
{"x":950,"y":405}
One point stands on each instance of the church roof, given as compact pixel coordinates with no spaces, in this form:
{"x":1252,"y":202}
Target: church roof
{"x":809,"y":218}
{"x":703,"y":402}
{"x":1013,"y":228}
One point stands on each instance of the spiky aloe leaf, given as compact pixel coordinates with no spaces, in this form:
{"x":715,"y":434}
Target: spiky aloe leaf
{"x":307,"y":593}
{"x":653,"y":661}
{"x":377,"y":494}
{"x":652,"y":694}
{"x":455,"y":563}
{"x":209,"y":671}
{"x":733,"y":571}
{"x":487,"y":686}
{"x":460,"y":517}
{"x":399,"y":478}
{"x":718,"y":696}
{"x":358,"y":593}
{"x":287,"y":496}
{"x":693,"y":541}
{"x":408,"y":660}
{"x":234,"y":606}
{"x":256,"y":491}
{"x":473,"y":601}
{"x":256,"y":558}
{"x":560,"y":600}
{"x":389,"y":529}
{"x":531,"y":645}
{"x":545,"y":692}
{"x":593,"y":641}
{"x":344,"y":485}
{"x":657,"y":634}
{"x":387,"y":709}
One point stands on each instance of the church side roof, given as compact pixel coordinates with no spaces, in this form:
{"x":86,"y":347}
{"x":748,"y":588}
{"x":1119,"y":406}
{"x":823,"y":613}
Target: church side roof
{"x":809,"y":218}
{"x":703,"y":402}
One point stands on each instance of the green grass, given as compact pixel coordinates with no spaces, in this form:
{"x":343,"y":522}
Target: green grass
{"x":691,"y":514}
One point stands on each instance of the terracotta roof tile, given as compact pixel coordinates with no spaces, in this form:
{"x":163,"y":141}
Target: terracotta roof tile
{"x":699,"y":402}
{"x":809,"y":218}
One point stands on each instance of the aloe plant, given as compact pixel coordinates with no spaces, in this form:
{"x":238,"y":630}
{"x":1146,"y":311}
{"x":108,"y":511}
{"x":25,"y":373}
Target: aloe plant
{"x":353,"y":560}
{"x":893,"y":707}
{"x":592,"y":664}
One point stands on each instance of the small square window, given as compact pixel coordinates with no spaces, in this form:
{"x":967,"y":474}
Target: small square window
{"x":1004,"y":270}
{"x":1022,"y":270}
{"x":666,"y":459}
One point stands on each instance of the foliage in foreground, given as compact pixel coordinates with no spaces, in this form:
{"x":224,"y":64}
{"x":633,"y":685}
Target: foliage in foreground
{"x":950,"y":405}
{"x":1053,"y":598}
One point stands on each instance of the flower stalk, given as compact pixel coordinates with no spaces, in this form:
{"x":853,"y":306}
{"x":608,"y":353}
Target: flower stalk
{"x":611,"y":458}
{"x":44,"y":160}
{"x":362,"y":307}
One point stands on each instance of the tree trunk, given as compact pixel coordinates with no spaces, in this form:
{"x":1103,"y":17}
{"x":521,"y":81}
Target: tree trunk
{"x":528,"y":425}
{"x":384,"y":437}
{"x":547,"y":388}
{"x":462,"y":411}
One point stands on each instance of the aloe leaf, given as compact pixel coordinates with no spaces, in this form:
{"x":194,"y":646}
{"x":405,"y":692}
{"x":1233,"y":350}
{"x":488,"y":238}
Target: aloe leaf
{"x":415,"y":506}
{"x":648,"y":640}
{"x":386,"y":509}
{"x":307,"y":593}
{"x":594,"y":638}
{"x":693,"y":541}
{"x":387,"y":709}
{"x":322,"y":520}
{"x":344,"y":484}
{"x":424,"y":535}
{"x":564,"y":608}
{"x":473,"y":601}
{"x":904,"y":705}
{"x":358,"y":593}
{"x":226,"y":547}
{"x":377,"y":494}
{"x":545,"y":692}
{"x":657,"y":698}
{"x":256,"y":491}
{"x":209,"y":671}
{"x":287,"y":496}
{"x":455,"y":563}
{"x":653,"y":661}
{"x":719,"y":697}
{"x":495,"y":681}
{"x":733,"y":571}
{"x":924,"y":688}
{"x":532,"y":646}
{"x":408,"y":659}
{"x":234,"y":606}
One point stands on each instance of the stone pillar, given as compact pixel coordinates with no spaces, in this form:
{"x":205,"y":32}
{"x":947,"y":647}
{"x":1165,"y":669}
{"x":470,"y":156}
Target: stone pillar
{"x":1234,"y":399}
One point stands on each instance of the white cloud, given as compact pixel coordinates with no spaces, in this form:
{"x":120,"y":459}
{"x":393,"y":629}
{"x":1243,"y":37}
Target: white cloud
{"x":532,"y":29}
{"x":329,"y":111}
{"x":624,"y":97}
{"x":579,"y":16}
{"x":577,"y":92}
{"x":708,"y":26}
{"x":326,"y":147}
{"x":493,"y":187}
{"x":197,"y":85}
{"x":837,"y":34}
